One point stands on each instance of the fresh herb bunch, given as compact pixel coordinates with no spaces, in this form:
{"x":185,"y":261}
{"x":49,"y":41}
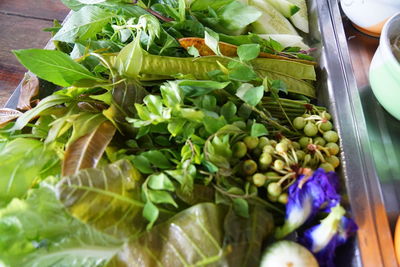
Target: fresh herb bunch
{"x":138,"y":141}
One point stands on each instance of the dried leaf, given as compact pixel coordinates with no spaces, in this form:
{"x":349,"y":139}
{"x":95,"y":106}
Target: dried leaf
{"x":86,"y":151}
{"x":29,"y":89}
{"x":228,"y":50}
{"x":7,"y":115}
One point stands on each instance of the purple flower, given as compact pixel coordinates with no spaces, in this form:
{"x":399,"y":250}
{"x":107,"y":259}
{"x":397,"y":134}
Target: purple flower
{"x":324,"y":238}
{"x":310,"y":193}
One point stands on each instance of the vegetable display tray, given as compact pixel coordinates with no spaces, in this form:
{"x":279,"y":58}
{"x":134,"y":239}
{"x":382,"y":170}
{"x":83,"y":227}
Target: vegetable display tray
{"x":361,"y":186}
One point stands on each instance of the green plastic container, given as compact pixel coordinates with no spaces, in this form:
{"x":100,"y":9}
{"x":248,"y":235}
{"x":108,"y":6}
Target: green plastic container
{"x":384,"y":72}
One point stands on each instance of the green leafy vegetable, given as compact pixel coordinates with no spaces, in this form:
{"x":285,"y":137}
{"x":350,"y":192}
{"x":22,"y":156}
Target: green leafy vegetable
{"x":54,"y":66}
{"x":83,"y":24}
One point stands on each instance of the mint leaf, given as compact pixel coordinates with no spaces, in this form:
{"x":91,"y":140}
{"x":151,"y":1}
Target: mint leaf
{"x":250,"y":94}
{"x":248,"y":52}
{"x":83,"y":24}
{"x":53,"y":66}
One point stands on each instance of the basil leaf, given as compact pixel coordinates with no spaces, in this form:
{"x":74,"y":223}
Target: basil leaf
{"x":83,"y":24}
{"x":54,"y":66}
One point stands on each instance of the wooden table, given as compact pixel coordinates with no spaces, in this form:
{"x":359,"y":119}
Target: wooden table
{"x":21,"y":24}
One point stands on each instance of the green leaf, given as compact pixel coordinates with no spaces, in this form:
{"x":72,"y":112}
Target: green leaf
{"x":246,"y":243}
{"x":211,"y":40}
{"x":123,"y":96}
{"x":242,"y":73}
{"x":212,"y":125}
{"x":106,"y":198}
{"x":229,"y":110}
{"x":175,"y":127}
{"x":192,"y":88}
{"x":83,"y":24}
{"x":241,"y":207}
{"x":43,"y":105}
{"x":193,"y":237}
{"x":276,"y":45}
{"x":160,"y":182}
{"x":258,"y":129}
{"x":54,"y":66}
{"x":193,"y":51}
{"x":142,"y":164}
{"x":279,"y":86}
{"x":129,"y":61}
{"x":22,"y":162}
{"x":250,"y":94}
{"x":38,"y":231}
{"x":84,"y":123}
{"x":161,"y":197}
{"x":150,"y":212}
{"x":87,"y":150}
{"x":157,"y":158}
{"x":248,"y":52}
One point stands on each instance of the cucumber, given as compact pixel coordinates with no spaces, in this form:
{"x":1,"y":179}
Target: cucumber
{"x":288,"y":253}
{"x":300,"y":19}
{"x":287,"y":40}
{"x":271,"y":21}
{"x":284,"y":7}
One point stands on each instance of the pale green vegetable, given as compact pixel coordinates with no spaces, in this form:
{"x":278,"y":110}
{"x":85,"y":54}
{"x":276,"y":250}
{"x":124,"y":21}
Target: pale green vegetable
{"x":300,"y":19}
{"x":271,"y":21}
{"x":288,"y":253}
{"x":284,"y":7}
{"x":287,"y":40}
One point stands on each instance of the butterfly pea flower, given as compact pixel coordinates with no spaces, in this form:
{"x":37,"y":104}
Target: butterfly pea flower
{"x":311,"y":193}
{"x":333,"y":231}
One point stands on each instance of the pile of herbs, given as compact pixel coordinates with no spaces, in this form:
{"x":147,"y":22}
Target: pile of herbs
{"x":127,"y":159}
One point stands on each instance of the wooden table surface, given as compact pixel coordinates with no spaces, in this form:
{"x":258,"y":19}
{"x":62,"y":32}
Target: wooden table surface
{"x":21,"y":24}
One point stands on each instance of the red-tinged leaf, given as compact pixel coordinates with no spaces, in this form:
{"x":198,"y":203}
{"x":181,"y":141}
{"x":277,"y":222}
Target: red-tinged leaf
{"x":7,"y":115}
{"x":29,"y":89}
{"x":87,"y":150}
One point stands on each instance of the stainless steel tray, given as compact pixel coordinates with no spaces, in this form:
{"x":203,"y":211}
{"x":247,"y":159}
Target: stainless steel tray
{"x":338,"y":91}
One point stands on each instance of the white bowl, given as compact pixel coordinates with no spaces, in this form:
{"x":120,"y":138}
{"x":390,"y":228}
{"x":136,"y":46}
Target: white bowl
{"x":369,"y":16}
{"x":384,"y":72}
